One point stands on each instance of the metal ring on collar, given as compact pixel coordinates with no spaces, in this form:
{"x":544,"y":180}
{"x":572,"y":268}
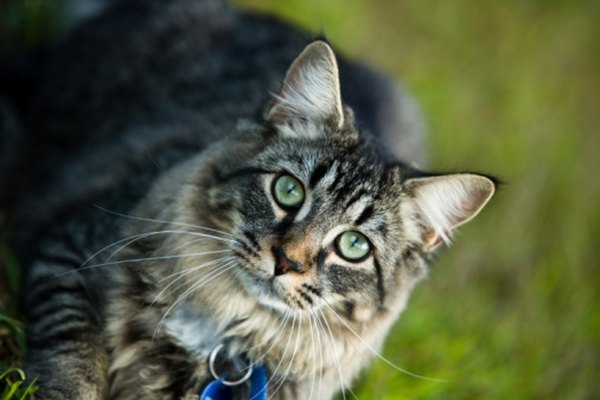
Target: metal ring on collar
{"x":211,"y":367}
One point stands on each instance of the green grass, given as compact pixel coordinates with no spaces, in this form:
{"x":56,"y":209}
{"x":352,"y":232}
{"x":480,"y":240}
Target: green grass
{"x":13,"y":385}
{"x":508,"y":87}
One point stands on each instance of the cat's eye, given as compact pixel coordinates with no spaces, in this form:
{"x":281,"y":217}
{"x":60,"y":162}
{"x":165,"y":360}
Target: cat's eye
{"x":288,"y":191}
{"x":352,"y":246}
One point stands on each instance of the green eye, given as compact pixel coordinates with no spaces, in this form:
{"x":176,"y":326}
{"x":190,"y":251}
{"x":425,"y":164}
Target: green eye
{"x":353,"y":246}
{"x":288,"y":191}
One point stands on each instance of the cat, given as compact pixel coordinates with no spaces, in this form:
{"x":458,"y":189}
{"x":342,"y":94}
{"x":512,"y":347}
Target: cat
{"x":198,"y":183}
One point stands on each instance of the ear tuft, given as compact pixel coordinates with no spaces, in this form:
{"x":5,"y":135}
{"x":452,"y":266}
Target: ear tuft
{"x":449,"y":201}
{"x":311,"y":89}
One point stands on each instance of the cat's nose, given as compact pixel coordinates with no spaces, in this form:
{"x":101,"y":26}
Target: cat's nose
{"x":283,"y":264}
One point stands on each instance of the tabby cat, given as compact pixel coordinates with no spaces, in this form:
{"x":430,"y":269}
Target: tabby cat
{"x":181,"y":197}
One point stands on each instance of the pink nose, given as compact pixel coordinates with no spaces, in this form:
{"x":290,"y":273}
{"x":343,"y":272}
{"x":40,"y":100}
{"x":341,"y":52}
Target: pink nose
{"x":283,"y":264}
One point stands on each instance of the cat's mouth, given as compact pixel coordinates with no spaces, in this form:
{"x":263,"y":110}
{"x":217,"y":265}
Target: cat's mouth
{"x":302,"y":295}
{"x":284,"y":293}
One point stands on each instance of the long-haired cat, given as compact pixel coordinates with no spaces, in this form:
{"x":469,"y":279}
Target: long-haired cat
{"x":182,"y":199}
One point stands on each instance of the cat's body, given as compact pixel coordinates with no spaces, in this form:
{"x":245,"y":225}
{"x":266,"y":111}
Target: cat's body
{"x":148,"y":215}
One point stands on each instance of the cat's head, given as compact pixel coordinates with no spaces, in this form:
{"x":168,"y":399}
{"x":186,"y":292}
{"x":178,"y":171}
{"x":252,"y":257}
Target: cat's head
{"x":322,"y":216}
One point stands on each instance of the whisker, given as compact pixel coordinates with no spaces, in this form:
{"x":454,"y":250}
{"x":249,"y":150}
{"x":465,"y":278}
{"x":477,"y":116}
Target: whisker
{"x":376,"y":353}
{"x":188,"y":243}
{"x":139,"y":235}
{"x":186,"y":272}
{"x":281,"y":381}
{"x":134,"y":238}
{"x":321,"y":349}
{"x":147,"y":234}
{"x":274,"y":373}
{"x":192,"y":269}
{"x":313,"y":355}
{"x":84,"y":267}
{"x":160,"y":221}
{"x":179,"y":232}
{"x":273,"y":341}
{"x":209,"y":277}
{"x":156,"y":258}
{"x":336,"y":356}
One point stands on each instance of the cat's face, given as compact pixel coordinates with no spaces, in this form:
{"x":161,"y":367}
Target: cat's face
{"x":319,"y":216}
{"x":317,"y":221}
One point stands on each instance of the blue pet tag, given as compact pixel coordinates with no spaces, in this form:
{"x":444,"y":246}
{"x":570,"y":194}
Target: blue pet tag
{"x":258,"y":383}
{"x":220,"y":388}
{"x":217,"y":390}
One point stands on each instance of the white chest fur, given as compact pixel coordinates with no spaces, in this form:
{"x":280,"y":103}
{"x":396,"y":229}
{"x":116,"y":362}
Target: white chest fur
{"x":194,"y":330}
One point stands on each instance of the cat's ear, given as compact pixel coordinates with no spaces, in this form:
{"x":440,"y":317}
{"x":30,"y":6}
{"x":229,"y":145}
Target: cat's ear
{"x":311,"y":89}
{"x":447,"y":202}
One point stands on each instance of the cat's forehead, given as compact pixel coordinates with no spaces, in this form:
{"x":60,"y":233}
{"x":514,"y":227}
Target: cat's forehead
{"x":350,"y":183}
{"x":311,"y":160}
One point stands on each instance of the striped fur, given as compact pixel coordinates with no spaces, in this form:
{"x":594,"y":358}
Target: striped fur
{"x":155,"y":237}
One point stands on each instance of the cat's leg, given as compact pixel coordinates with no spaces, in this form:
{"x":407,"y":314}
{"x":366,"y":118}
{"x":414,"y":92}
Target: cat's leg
{"x":67,"y":355}
{"x":153,"y":371}
{"x":145,"y":365}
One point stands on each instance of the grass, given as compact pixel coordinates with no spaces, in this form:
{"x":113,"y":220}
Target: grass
{"x":511,"y":88}
{"x":16,"y":388}
{"x":13,"y":385}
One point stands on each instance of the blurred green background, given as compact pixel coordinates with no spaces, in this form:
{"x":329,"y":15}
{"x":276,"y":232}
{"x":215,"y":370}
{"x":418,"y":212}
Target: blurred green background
{"x":507,"y":87}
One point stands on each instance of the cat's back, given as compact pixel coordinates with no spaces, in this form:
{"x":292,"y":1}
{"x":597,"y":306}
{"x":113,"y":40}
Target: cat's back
{"x":146,"y":62}
{"x":148,"y":83}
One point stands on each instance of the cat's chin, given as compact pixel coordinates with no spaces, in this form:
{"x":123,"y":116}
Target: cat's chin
{"x":284,"y":307}
{"x":276,"y":304}
{"x":269,"y":295}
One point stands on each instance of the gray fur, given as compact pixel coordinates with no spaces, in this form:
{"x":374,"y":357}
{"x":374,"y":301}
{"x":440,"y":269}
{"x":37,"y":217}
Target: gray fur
{"x":143,"y":212}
